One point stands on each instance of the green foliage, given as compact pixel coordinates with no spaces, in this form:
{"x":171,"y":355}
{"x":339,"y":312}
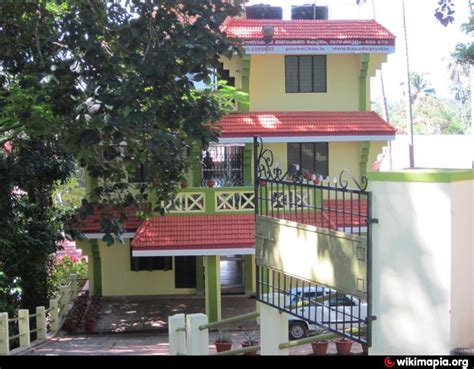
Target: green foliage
{"x":107,"y":86}
{"x":64,"y":267}
{"x":464,"y":53}
{"x":114,"y":81}
{"x":223,"y":337}
{"x":430,"y":116}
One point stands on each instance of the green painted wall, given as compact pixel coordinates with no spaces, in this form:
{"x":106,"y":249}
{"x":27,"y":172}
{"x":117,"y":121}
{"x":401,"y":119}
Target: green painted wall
{"x":213,"y":287}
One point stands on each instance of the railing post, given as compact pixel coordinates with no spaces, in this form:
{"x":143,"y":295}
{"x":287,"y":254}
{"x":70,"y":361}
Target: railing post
{"x":177,"y":334}
{"x":64,"y":300}
{"x":24,"y":327}
{"x":197,"y":341}
{"x":73,"y":286}
{"x":41,"y":322}
{"x":4,"y":335}
{"x":54,"y":306}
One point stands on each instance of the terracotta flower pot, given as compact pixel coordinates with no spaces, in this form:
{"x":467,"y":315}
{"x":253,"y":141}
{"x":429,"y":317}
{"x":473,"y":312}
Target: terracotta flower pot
{"x":248,"y":344}
{"x":223,"y":346}
{"x":320,"y":347}
{"x":184,"y":184}
{"x":343,"y":346}
{"x":365,"y":349}
{"x":89,"y":326}
{"x":210,"y":183}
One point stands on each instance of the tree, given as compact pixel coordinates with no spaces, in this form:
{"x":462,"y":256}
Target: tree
{"x":464,"y":53}
{"x":108,"y":85}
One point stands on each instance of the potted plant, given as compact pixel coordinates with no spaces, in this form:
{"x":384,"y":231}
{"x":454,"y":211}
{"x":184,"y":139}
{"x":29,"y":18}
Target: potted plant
{"x":320,"y":347}
{"x":210,"y":183}
{"x":343,"y":346}
{"x":249,"y":341}
{"x":184,"y":183}
{"x":223,"y":342}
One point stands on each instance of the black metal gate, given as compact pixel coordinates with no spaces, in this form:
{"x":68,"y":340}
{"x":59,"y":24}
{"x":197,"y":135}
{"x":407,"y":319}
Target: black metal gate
{"x":307,"y":226}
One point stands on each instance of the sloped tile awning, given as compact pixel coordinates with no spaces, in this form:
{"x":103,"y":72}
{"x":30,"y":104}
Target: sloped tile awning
{"x":304,"y":127}
{"x":188,"y":235}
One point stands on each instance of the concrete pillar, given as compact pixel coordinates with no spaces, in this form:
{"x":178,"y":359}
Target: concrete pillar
{"x":273,"y":330}
{"x":73,"y":278}
{"x":53,"y":304}
{"x":41,"y":322}
{"x":177,"y":334}
{"x":422,"y":261}
{"x":197,"y":341}
{"x":24,"y":327}
{"x":4,"y":334}
{"x":200,"y":275}
{"x":63,"y":301}
{"x":97,"y":268}
{"x":249,"y":274}
{"x":213,"y":287}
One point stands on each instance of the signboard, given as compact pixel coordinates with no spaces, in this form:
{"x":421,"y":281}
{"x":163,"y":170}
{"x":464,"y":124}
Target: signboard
{"x":323,"y":46}
{"x":331,"y":258}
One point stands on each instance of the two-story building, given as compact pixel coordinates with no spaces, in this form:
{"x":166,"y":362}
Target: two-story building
{"x":308,"y":83}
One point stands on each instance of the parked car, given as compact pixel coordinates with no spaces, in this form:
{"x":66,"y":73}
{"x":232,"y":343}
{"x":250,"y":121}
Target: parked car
{"x":307,"y":293}
{"x":337,"y":312}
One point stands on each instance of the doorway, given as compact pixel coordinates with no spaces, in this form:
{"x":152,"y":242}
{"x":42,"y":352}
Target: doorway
{"x":232,"y":275}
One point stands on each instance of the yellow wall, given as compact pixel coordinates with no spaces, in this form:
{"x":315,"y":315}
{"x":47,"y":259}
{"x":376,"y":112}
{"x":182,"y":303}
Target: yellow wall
{"x":119,"y":280}
{"x":344,"y":155}
{"x":234,"y":66}
{"x":267,"y":85}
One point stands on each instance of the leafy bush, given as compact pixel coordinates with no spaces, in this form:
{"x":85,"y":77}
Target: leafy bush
{"x":66,"y":266}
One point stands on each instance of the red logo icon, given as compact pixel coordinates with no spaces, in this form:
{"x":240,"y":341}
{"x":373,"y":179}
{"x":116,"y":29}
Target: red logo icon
{"x":388,"y":362}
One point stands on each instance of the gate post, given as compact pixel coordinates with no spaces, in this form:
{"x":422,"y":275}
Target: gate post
{"x":273,"y":330}
{"x":177,"y":334}
{"x":197,"y":340}
{"x":423,"y":247}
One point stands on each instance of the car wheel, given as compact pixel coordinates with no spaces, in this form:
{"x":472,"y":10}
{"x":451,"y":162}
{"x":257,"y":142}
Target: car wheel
{"x":297,"y":330}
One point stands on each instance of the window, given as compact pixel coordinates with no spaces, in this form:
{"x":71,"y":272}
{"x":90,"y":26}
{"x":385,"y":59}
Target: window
{"x":312,"y":156}
{"x":151,"y":263}
{"x":185,"y":272}
{"x":142,"y":174}
{"x":305,"y":73}
{"x":224,"y":165}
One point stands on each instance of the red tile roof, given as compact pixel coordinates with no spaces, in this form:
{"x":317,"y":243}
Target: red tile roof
{"x":284,"y":124}
{"x":251,"y":29}
{"x":196,"y":232}
{"x":91,"y":224}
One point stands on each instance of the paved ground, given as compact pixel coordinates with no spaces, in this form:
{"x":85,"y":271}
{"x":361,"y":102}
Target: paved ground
{"x":145,"y":313}
{"x":138,"y":326}
{"x":137,"y":344}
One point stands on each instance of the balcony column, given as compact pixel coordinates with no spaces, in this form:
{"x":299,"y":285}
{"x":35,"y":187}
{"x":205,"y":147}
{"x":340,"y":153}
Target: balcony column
{"x":196,"y":165}
{"x":212,"y":280}
{"x":249,"y":273}
{"x":199,"y":275}
{"x":248,"y":165}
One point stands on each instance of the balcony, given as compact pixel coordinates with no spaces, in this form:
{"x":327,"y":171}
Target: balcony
{"x":212,"y":201}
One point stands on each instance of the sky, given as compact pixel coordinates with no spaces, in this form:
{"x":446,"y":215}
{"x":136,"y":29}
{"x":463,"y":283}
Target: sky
{"x":429,"y":43}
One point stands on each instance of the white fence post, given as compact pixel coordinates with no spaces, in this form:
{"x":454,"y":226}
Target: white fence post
{"x":53,"y":305}
{"x":41,"y":322}
{"x":63,"y":300}
{"x":4,"y":335}
{"x":197,"y":341}
{"x":177,"y":334}
{"x":24,"y":327}
{"x":73,"y":286}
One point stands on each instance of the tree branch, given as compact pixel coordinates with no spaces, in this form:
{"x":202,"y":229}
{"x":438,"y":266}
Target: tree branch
{"x":37,"y":39}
